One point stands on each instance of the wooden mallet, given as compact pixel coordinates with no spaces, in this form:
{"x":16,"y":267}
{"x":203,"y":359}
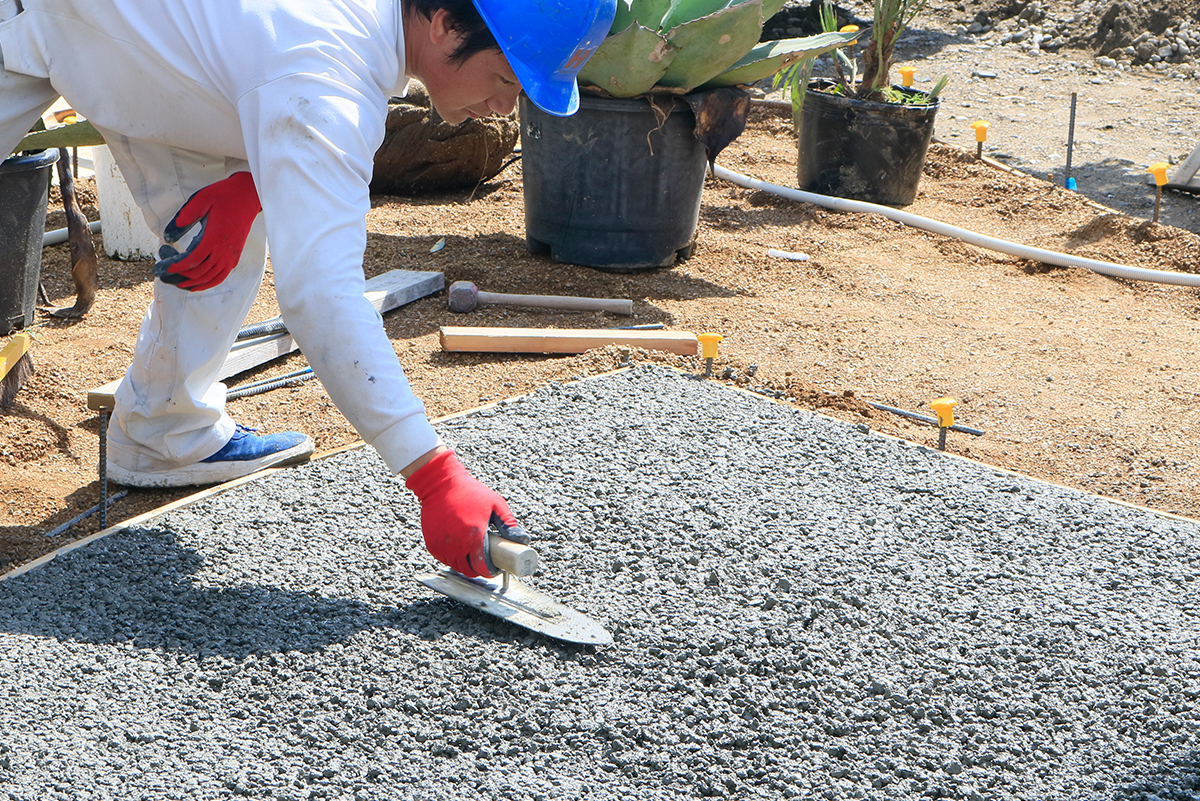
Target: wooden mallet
{"x":465,"y":296}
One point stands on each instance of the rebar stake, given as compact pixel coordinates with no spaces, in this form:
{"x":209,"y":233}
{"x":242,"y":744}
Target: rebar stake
{"x":708,"y":349}
{"x":103,"y":469}
{"x":1070,"y":142}
{"x":945,"y":418}
{"x":1159,"y":169}
{"x":981,"y":128}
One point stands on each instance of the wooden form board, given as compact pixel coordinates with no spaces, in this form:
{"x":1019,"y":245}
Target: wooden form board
{"x":385,"y":292}
{"x":562,"y":340}
{"x":1185,"y":173}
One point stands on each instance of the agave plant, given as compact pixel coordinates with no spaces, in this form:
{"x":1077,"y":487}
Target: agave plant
{"x":678,"y":46}
{"x":891,"y":19}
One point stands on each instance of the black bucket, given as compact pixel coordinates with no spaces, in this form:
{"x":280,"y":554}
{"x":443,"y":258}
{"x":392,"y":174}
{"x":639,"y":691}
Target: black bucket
{"x":24,"y":187}
{"x":861,"y":149}
{"x":613,"y":186}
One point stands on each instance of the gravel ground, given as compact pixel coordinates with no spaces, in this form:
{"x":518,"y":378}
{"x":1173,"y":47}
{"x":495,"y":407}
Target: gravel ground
{"x":801,"y":609}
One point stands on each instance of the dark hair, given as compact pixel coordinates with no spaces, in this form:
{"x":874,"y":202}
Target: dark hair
{"x":464,"y":20}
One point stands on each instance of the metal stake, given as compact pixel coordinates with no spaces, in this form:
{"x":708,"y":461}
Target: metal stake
{"x":1070,"y":143}
{"x":941,"y":438}
{"x":103,"y":469}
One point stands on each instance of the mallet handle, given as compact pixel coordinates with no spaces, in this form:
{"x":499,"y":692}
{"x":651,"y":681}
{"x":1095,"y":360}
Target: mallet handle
{"x":614,"y":305}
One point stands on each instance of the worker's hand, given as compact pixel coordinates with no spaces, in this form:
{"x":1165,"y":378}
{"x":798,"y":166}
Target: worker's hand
{"x":455,"y":511}
{"x":225,"y":211}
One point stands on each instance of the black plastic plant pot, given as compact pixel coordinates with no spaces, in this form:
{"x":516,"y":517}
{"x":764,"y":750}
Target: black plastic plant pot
{"x":862,"y":149}
{"x":24,"y":188}
{"x":614,"y":186}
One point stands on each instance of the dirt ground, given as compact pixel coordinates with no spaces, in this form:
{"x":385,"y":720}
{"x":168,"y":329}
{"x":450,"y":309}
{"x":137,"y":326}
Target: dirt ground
{"x":1075,"y":378}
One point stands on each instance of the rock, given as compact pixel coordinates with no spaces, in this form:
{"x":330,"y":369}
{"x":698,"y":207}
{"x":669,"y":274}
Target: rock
{"x":1032,"y":12}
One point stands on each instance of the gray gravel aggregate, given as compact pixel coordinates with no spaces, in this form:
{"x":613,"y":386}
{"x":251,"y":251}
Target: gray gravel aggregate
{"x":802,"y":608}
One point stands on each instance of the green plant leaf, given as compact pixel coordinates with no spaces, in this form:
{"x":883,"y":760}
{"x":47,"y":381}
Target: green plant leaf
{"x":628,"y":63}
{"x":710,"y":45}
{"x":75,"y":134}
{"x":623,"y":19}
{"x":769,"y":58}
{"x":682,"y":11}
{"x":647,"y":13}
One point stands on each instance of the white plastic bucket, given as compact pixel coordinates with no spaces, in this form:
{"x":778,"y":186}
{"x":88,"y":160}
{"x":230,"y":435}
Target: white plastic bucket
{"x":123,"y":228}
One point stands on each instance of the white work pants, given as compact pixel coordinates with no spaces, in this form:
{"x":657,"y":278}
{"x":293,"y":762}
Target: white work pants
{"x":170,"y":411}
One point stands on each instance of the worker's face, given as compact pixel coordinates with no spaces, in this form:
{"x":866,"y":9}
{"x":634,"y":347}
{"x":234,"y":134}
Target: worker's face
{"x":483,"y":84}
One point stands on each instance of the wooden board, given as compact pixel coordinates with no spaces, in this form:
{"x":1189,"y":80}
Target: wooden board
{"x":1185,"y":173}
{"x":385,"y":292}
{"x":562,"y":340}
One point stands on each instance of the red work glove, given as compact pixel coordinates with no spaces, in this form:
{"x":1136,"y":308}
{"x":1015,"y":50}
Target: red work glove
{"x":225,"y":211}
{"x":455,"y":511}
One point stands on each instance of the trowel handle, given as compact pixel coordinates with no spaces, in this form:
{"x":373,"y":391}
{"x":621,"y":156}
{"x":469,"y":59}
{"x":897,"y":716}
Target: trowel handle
{"x":512,"y":557}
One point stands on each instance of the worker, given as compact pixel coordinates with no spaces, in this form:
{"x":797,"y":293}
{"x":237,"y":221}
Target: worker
{"x":238,"y":122}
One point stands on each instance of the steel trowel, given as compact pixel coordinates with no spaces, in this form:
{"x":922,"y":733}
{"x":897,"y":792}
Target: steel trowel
{"x":507,"y":597}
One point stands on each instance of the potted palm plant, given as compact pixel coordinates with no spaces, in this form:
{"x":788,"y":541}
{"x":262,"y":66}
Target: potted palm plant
{"x":858,"y":135}
{"x":617,"y":186}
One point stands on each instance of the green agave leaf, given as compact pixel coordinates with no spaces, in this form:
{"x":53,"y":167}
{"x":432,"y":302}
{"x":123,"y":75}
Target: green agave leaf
{"x":628,"y":63}
{"x":75,"y":134}
{"x":623,"y":19}
{"x":647,"y":13}
{"x":682,"y":11}
{"x":710,"y":45}
{"x":771,"y":8}
{"x":769,"y":58}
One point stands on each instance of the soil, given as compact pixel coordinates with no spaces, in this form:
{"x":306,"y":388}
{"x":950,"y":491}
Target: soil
{"x":1074,"y":378}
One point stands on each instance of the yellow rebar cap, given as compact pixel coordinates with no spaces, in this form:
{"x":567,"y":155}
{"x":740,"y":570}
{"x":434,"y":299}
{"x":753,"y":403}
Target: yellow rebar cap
{"x":1159,"y":169}
{"x":981,"y":129}
{"x":848,"y":29}
{"x":906,"y":75}
{"x":708,"y":344}
{"x":945,"y":411}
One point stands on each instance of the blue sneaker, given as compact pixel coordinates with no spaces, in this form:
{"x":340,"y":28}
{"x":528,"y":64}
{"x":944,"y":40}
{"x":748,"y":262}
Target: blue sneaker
{"x":246,"y":452}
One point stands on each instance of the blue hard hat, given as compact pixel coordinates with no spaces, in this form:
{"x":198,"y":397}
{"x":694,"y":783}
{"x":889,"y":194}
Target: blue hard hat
{"x":547,"y":42}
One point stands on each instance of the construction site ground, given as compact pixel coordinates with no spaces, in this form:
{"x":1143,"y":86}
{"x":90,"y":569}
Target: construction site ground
{"x":1075,"y":378}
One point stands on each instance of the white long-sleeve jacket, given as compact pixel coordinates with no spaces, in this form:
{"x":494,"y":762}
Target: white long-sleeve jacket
{"x":297,"y":88}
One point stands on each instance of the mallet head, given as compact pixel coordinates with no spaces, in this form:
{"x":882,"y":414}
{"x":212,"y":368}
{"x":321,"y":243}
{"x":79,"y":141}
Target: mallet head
{"x":463,"y":296}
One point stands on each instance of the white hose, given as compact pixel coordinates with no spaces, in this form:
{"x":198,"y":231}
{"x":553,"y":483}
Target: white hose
{"x":59,"y":235}
{"x":970,"y":237}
